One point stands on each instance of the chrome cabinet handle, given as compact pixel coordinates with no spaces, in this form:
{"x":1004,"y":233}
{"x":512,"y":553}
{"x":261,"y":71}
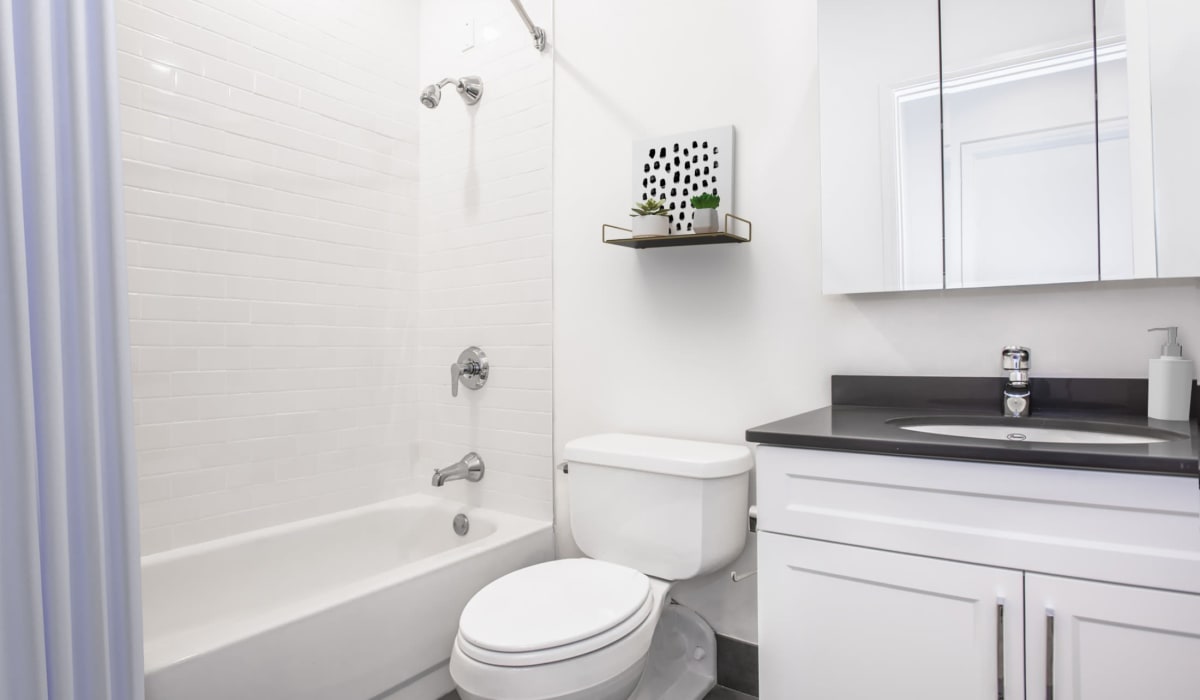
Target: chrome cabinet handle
{"x":1049,"y":654}
{"x":1000,"y":649}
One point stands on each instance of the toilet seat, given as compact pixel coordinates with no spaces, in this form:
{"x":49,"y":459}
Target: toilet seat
{"x":554,"y":611}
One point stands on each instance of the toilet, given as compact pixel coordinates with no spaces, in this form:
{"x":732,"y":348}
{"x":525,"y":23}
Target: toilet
{"x":647,"y":512}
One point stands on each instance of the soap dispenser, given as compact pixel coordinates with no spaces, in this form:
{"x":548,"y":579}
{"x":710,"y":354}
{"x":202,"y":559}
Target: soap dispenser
{"x":1170,"y":381}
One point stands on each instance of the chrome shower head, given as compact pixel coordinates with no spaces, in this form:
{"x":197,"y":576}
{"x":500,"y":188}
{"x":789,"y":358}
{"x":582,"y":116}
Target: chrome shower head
{"x":470,"y":89}
{"x":431,"y":96}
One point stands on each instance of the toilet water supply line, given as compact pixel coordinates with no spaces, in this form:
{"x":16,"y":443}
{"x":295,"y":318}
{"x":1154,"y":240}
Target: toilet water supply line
{"x":753,"y":526}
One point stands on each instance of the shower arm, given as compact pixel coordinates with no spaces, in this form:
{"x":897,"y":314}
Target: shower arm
{"x":538,"y":34}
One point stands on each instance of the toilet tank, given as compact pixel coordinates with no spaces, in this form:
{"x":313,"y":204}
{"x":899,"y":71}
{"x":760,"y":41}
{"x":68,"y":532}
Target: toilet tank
{"x":672,"y":509}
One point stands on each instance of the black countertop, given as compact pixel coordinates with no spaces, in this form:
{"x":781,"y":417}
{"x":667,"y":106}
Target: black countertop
{"x":866,"y":411}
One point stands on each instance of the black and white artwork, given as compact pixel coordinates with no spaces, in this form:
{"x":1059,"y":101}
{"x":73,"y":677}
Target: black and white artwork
{"x":676,"y":168}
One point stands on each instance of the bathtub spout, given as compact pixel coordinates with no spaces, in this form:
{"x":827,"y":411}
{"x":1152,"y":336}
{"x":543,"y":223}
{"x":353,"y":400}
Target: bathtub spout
{"x":469,"y":467}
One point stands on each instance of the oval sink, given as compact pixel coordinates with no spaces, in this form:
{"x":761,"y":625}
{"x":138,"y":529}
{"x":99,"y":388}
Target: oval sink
{"x":1037,"y":430}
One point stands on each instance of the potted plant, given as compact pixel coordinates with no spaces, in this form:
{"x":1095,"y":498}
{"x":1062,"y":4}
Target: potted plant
{"x":704,"y":213}
{"x":650,"y":218}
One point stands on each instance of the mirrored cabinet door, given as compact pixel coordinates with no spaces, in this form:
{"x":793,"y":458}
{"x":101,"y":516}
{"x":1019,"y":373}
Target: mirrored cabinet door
{"x":1067,"y":149}
{"x":880,"y":143}
{"x":1173,"y":49}
{"x":1125,"y":157}
{"x":1020,"y":142}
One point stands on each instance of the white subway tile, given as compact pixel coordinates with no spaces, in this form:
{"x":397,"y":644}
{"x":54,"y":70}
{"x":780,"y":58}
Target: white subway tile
{"x":294,"y":300}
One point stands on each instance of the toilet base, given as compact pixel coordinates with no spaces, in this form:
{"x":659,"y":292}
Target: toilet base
{"x":682,"y":664}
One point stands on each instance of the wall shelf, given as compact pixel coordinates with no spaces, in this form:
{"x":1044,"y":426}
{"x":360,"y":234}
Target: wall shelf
{"x":679,"y":239}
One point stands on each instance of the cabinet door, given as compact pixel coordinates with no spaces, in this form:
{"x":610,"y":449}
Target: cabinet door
{"x":1110,"y":642}
{"x":881,"y":169}
{"x":1020,"y":142}
{"x":837,"y":621}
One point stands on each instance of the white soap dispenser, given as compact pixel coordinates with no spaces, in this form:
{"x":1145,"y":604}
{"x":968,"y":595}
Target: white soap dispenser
{"x":1170,"y":381}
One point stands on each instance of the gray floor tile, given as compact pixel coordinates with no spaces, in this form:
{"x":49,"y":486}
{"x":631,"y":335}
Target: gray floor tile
{"x":720,"y":693}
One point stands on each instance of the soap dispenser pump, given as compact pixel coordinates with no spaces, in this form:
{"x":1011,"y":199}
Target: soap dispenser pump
{"x":1170,"y":380}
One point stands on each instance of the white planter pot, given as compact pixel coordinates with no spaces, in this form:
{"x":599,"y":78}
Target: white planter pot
{"x":650,"y":226}
{"x":704,"y":221}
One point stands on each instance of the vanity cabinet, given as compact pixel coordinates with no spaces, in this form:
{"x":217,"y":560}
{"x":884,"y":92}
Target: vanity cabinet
{"x":849,"y":622}
{"x":903,"y":577}
{"x":1111,"y":642}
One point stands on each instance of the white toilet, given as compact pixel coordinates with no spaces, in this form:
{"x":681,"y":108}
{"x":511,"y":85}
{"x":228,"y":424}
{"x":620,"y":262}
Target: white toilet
{"x":648,"y":511}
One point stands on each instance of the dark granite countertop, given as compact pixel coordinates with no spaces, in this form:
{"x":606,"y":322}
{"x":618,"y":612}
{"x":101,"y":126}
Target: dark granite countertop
{"x":866,"y":411}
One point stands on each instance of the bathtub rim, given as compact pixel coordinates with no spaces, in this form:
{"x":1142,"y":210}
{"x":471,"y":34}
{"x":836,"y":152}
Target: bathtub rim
{"x":171,"y":649}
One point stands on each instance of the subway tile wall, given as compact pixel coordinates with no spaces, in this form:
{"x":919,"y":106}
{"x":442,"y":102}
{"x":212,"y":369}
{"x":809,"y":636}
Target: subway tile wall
{"x":485,"y":251}
{"x":271,"y":156}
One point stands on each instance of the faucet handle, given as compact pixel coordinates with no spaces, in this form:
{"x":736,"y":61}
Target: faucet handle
{"x":471,"y":370}
{"x":456,"y":371}
{"x":1014,"y":357}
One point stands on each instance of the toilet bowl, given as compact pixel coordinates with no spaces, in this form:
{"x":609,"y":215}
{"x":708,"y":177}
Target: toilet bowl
{"x":573,"y":629}
{"x":647,"y":511}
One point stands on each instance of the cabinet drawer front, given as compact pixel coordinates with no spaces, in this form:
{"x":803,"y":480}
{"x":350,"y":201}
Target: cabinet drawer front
{"x":1111,"y":642}
{"x":1136,"y":529}
{"x":837,"y":621}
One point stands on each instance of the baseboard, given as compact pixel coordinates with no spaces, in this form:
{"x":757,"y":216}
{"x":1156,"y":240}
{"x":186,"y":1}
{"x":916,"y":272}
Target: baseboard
{"x":737,"y":665}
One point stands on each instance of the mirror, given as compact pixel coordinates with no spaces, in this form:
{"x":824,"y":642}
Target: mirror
{"x":1052,"y":143}
{"x":1019,"y":141}
{"x":1164,"y":68}
{"x":881,"y":176}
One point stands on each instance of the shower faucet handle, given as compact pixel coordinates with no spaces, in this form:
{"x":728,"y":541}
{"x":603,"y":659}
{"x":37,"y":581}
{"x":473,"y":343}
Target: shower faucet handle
{"x":471,"y":370}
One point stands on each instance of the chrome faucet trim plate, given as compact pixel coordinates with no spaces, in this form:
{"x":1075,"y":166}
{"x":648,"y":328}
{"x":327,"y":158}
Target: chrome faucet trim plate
{"x":471,"y":370}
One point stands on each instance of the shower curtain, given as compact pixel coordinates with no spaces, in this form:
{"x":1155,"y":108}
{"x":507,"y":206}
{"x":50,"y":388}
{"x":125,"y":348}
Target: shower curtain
{"x":70,"y":618}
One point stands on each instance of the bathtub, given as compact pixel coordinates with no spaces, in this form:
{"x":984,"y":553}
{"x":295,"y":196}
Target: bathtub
{"x":355,"y":605}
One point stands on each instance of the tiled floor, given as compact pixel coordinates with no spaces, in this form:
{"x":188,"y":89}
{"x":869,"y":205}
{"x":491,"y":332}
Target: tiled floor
{"x":717,"y":693}
{"x":720,"y":693}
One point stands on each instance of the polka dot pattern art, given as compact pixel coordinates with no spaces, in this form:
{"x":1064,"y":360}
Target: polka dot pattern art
{"x":677,"y":168}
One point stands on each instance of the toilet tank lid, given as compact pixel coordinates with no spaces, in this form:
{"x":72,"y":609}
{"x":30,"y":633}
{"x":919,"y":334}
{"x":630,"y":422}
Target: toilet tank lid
{"x":689,"y":458}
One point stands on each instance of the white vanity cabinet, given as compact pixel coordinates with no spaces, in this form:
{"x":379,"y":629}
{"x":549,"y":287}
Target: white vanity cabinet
{"x":909,"y":578}
{"x":848,"y":622}
{"x":1111,"y":642}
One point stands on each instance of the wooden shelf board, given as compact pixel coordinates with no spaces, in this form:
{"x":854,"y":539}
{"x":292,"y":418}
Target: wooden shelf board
{"x":677,"y":240}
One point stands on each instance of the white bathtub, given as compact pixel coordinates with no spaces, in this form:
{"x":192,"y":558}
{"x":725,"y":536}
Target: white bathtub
{"x":351,"y":606}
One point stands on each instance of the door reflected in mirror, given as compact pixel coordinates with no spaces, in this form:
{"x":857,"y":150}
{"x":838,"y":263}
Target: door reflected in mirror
{"x":1019,"y":140}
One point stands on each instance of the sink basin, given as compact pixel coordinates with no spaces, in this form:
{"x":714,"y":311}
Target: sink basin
{"x":1037,"y":430}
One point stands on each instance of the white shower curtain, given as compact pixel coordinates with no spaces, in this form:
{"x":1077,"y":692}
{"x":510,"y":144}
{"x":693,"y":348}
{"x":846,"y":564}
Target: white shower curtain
{"x":70,"y":618}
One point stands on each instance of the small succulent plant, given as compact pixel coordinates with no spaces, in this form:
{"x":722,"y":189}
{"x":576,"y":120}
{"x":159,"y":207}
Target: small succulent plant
{"x":706,"y":200}
{"x":650,"y":207}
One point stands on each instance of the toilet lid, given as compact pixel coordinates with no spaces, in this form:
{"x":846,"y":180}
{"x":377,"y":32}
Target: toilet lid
{"x":556,"y":605}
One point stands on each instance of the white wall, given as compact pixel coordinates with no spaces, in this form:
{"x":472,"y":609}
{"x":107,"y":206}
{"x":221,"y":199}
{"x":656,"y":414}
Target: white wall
{"x":485,"y":272}
{"x":270,"y":170}
{"x":706,"y":342}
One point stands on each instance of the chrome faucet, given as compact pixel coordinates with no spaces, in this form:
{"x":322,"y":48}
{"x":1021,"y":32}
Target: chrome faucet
{"x":471,"y":370}
{"x":469,"y":467}
{"x":1015,"y":361}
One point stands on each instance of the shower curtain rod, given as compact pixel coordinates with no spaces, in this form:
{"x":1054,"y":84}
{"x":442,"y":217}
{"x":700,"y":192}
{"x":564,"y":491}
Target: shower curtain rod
{"x":538,"y":34}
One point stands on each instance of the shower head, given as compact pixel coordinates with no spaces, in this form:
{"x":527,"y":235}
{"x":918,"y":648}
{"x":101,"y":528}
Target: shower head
{"x":470,"y":88}
{"x":431,"y":96}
